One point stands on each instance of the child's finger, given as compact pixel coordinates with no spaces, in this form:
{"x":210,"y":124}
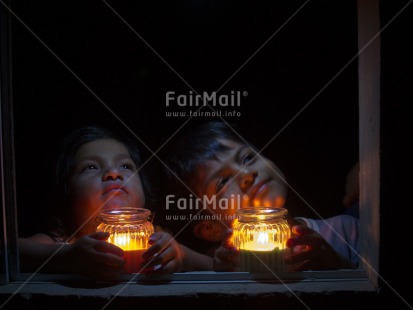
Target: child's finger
{"x":226,"y":239}
{"x":151,"y":262}
{"x":100,"y":235}
{"x":109,"y":260}
{"x":106,"y":247}
{"x":154,"y":237}
{"x":152,"y":251}
{"x":301,"y":230}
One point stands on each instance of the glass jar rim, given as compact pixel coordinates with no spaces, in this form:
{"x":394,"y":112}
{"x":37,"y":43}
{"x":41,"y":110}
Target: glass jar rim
{"x":125,"y":213}
{"x":261,"y":213}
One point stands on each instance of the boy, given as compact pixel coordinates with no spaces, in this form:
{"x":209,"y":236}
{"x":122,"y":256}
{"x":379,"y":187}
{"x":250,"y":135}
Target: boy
{"x":221,"y":172}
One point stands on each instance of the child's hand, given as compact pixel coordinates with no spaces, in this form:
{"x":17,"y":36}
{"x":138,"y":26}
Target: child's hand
{"x":310,"y":251}
{"x":226,"y":256}
{"x":164,"y":256}
{"x":93,"y":257}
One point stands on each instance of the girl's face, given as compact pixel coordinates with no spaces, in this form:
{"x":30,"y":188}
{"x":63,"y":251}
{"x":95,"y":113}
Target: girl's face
{"x":104,"y":177}
{"x":240,"y":178}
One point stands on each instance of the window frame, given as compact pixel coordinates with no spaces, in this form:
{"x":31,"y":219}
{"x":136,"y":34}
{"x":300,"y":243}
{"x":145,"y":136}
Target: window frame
{"x":8,"y":239}
{"x":363,"y":279}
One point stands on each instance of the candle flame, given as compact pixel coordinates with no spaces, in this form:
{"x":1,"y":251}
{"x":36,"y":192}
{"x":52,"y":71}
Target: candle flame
{"x":261,"y":241}
{"x":262,"y":238}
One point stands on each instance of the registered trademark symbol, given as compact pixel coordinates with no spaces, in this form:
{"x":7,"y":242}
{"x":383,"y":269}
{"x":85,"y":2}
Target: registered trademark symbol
{"x":245,"y":93}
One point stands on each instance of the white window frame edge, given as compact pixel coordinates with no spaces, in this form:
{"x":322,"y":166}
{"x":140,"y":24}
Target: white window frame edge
{"x":364,"y":279}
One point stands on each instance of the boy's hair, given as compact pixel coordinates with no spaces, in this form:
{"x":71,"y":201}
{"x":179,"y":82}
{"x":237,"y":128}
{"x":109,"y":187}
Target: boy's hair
{"x":64,"y":165}
{"x":192,"y":149}
{"x":186,"y":154}
{"x":183,"y":158}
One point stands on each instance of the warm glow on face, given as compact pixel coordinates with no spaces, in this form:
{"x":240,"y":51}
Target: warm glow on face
{"x":278,"y":202}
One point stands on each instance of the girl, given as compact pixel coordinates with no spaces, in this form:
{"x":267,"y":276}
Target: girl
{"x":99,"y":169}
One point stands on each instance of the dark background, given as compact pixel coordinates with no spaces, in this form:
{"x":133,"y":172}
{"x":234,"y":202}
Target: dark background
{"x":111,"y":76}
{"x":206,"y":42}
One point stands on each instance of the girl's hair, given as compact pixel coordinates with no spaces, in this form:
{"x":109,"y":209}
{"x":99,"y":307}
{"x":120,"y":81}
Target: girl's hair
{"x":63,"y":223}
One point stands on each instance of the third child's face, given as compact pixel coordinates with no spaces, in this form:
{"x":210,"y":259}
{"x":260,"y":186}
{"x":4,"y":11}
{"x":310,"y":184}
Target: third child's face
{"x":104,"y":176}
{"x":241,"y":179}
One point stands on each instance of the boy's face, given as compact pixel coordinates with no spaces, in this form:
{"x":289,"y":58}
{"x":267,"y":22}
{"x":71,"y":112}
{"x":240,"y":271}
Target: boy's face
{"x":104,"y":177}
{"x":240,"y":178}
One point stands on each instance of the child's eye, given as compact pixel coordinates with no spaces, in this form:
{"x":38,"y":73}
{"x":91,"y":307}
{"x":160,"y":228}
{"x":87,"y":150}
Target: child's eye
{"x":247,"y":158}
{"x":221,"y":184}
{"x":83,"y":167}
{"x":128,"y":166}
{"x":90,"y":167}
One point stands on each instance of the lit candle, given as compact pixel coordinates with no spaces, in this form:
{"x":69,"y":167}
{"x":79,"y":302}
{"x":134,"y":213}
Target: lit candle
{"x":130,"y":230}
{"x":260,"y":234}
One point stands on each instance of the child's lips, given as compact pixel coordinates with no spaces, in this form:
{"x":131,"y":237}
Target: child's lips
{"x":114,"y":190}
{"x":258,"y":189}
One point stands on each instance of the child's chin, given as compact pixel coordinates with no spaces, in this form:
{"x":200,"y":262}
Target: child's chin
{"x":116,"y":203}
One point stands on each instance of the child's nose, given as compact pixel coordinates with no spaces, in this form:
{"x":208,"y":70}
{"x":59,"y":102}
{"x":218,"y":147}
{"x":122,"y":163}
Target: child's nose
{"x":247,"y":179}
{"x":112,"y":174}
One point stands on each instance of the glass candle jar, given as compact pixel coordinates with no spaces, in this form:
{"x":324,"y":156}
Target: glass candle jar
{"x":260,"y":234}
{"x":129,"y":229}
